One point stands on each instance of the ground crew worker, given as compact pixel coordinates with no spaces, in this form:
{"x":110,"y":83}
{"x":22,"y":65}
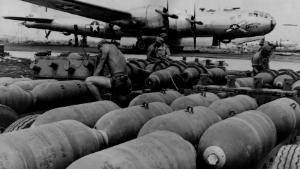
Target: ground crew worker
{"x":70,"y":42}
{"x":118,"y":82}
{"x":159,"y":50}
{"x":261,"y":59}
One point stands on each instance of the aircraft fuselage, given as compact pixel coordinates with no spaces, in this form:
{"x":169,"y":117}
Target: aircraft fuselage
{"x":223,"y":24}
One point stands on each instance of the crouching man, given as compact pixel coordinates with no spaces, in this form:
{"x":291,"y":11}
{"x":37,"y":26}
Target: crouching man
{"x":117,"y":80}
{"x":261,"y":59}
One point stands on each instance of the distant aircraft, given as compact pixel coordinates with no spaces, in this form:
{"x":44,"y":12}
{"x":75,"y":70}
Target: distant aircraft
{"x":241,"y":41}
{"x":286,"y":44}
{"x":146,"y":22}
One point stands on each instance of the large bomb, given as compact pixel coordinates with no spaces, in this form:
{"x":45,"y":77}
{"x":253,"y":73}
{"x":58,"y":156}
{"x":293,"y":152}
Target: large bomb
{"x":189,"y":124}
{"x":194,"y":100}
{"x":88,"y":113}
{"x":29,"y":85}
{"x":7,"y":117}
{"x":51,"y":146}
{"x":124,"y":124}
{"x":165,"y":97}
{"x":233,"y":105}
{"x":237,"y":142}
{"x":16,"y":98}
{"x":285,"y":113}
{"x":162,"y":149}
{"x":165,"y":78}
{"x":64,"y":93}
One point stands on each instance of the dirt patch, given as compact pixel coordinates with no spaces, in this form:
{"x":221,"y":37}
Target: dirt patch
{"x":15,"y":67}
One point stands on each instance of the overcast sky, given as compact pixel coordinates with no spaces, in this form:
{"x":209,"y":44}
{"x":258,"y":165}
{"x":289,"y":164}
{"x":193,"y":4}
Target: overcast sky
{"x":285,"y":11}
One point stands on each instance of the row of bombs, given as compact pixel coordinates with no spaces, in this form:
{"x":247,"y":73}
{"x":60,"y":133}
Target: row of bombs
{"x":175,"y":74}
{"x":135,"y":67}
{"x":222,"y":133}
{"x":180,"y":74}
{"x":23,"y":96}
{"x":272,"y":79}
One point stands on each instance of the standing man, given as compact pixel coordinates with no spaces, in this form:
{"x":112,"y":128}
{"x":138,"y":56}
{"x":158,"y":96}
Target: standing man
{"x":110,"y":57}
{"x":159,"y":50}
{"x":261,"y":59}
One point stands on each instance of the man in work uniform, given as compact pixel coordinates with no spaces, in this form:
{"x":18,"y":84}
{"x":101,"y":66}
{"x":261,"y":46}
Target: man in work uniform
{"x":159,"y":50}
{"x":118,"y":82}
{"x":261,"y":59}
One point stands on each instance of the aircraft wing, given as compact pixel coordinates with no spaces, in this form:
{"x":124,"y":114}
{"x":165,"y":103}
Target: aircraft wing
{"x":79,"y":7}
{"x":29,"y":19}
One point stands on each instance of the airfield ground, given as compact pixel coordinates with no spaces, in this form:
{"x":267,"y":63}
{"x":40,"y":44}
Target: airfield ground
{"x":20,"y":67}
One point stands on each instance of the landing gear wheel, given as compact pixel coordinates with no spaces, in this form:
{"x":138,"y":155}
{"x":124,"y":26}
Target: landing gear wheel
{"x":22,"y":123}
{"x":287,"y":157}
{"x":140,"y":45}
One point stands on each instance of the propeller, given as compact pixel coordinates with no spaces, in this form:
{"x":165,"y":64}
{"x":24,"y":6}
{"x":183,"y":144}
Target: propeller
{"x":193,"y":23}
{"x":238,"y":26}
{"x":165,"y":12}
{"x":166,"y":15}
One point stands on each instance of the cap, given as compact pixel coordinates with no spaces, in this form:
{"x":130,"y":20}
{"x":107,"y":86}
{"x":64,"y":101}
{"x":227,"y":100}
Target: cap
{"x":159,"y":40}
{"x":163,"y":35}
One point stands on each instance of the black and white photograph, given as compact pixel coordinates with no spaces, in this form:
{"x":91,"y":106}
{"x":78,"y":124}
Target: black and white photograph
{"x":149,"y":84}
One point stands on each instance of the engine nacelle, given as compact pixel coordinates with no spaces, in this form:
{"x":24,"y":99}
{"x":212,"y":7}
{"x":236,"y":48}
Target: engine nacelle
{"x":153,"y":20}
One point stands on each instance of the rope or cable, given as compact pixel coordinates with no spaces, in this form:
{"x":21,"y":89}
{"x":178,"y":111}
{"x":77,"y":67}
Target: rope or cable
{"x":173,"y":81}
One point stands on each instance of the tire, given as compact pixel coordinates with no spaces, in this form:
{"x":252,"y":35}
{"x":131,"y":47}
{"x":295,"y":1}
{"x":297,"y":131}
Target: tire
{"x":141,"y":45}
{"x":288,"y":157}
{"x":22,"y":123}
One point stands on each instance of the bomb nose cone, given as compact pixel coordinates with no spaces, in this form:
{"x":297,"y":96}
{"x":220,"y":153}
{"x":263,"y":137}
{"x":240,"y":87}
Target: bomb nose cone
{"x":214,"y":156}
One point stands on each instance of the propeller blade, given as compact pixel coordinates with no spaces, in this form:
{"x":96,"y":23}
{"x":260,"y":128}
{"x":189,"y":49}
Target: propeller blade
{"x":159,"y":11}
{"x":193,"y":21}
{"x":167,"y":5}
{"x":173,"y":16}
{"x":198,"y":22}
{"x":195,"y":40}
{"x":189,"y":20}
{"x":194,"y":9}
